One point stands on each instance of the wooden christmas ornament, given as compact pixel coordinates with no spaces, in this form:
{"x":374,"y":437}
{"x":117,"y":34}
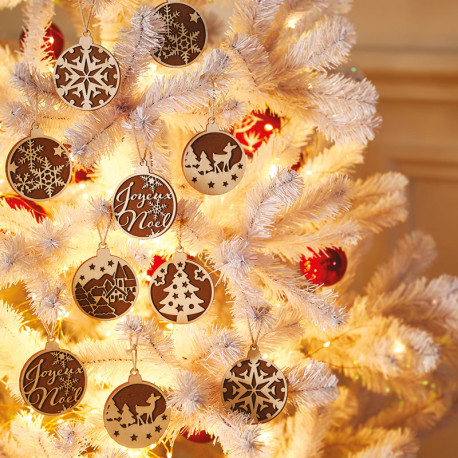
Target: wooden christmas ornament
{"x":53,"y":381}
{"x":185,"y":34}
{"x":105,"y":286}
{"x":38,"y":167}
{"x":87,"y":75}
{"x":213,"y":161}
{"x":256,"y":387}
{"x":181,"y":291}
{"x":136,"y":414}
{"x":144,"y":205}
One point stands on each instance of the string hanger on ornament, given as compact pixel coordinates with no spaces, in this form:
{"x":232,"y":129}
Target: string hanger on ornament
{"x":86,"y":20}
{"x":144,"y":157}
{"x":254,"y":349}
{"x":50,"y":330}
{"x":103,"y":231}
{"x":133,"y":346}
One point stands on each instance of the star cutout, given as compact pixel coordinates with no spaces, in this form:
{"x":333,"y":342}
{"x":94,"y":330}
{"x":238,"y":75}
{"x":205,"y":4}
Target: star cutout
{"x":199,"y":275}
{"x":234,"y":177}
{"x":225,"y":184}
{"x":179,"y":275}
{"x":179,"y":308}
{"x":240,"y":166}
{"x":92,"y":267}
{"x":13,"y":167}
{"x":163,"y":271}
{"x":82,"y":277}
{"x":148,"y":436}
{"x":133,"y":437}
{"x":158,"y":280}
{"x":116,"y":433}
{"x":102,"y":269}
{"x":175,"y":296}
{"x":211,"y":184}
{"x":180,"y":264}
{"x":187,"y":294}
{"x":110,"y":263}
{"x":194,"y":17}
{"x":158,"y":429}
{"x":185,"y":285}
{"x":194,"y":180}
{"x":58,"y":150}
{"x":164,"y":417}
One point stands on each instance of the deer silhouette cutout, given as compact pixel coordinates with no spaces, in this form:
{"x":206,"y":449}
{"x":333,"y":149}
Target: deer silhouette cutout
{"x":224,"y":158}
{"x":149,"y":409}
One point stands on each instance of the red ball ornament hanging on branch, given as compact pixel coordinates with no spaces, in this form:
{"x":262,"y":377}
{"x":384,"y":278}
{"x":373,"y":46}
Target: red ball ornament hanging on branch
{"x":325,"y":268}
{"x":155,"y":263}
{"x":53,"y":41}
{"x":21,"y":203}
{"x":255,"y":129}
{"x":200,"y":437}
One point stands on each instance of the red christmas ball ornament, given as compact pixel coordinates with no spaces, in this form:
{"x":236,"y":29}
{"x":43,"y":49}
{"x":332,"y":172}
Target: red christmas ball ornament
{"x":324,"y":268}
{"x":156,"y":263}
{"x":81,"y":174}
{"x":53,"y":41}
{"x":19,"y":203}
{"x":255,"y":129}
{"x":199,"y":436}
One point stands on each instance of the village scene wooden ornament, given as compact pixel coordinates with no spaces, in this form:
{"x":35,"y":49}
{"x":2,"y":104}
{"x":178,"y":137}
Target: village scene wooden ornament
{"x":53,"y":381}
{"x":256,"y":387}
{"x":185,"y":34}
{"x":87,"y":75}
{"x":136,"y":414}
{"x":144,"y":204}
{"x":214,"y":161}
{"x":181,"y":291}
{"x":38,"y":167}
{"x":105,"y":287}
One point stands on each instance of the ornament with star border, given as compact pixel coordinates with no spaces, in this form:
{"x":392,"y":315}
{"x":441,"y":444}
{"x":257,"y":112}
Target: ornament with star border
{"x":185,"y":34}
{"x":213,"y":161}
{"x":53,"y":381}
{"x":105,"y":287}
{"x":38,"y":167}
{"x":256,"y":387}
{"x":181,"y":291}
{"x":136,"y":413}
{"x":144,"y":204}
{"x":87,"y":75}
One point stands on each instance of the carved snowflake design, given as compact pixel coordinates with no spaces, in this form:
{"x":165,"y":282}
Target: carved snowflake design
{"x":151,"y":182}
{"x":180,"y":38}
{"x":87,"y":76}
{"x":256,"y":387}
{"x":68,"y":384}
{"x":157,"y":208}
{"x":61,"y":358}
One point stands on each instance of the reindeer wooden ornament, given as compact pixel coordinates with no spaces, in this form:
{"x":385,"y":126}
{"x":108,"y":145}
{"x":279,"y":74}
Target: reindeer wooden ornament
{"x":213,"y":161}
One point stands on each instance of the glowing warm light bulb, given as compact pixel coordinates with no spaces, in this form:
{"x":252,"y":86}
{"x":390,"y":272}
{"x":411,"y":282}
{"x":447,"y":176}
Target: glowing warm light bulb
{"x":308,"y":172}
{"x":169,"y":326}
{"x":292,"y":23}
{"x":326,"y":344}
{"x":398,"y":347}
{"x":268,"y":127}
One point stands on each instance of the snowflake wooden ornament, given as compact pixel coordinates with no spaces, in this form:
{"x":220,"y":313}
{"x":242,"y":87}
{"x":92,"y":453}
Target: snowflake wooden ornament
{"x":144,"y":205}
{"x":181,"y":291}
{"x":185,"y":34}
{"x":105,"y":286}
{"x":87,"y":75}
{"x":136,"y":414}
{"x":213,"y":161}
{"x":256,"y":387}
{"x":38,"y":167}
{"x":53,"y":381}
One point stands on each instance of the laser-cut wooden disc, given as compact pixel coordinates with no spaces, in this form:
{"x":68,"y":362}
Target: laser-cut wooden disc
{"x":87,"y":75}
{"x":255,"y":386}
{"x":53,"y":381}
{"x":213,"y":161}
{"x":185,"y":34}
{"x":181,"y":291}
{"x":38,"y":167}
{"x":105,"y":286}
{"x":144,"y":205}
{"x":136,"y":414}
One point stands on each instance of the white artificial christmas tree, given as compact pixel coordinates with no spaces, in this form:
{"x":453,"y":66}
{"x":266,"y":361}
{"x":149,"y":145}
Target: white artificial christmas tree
{"x":367,"y":372}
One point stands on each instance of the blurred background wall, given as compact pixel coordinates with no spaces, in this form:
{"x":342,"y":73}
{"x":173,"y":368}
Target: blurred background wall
{"x":409,"y":49}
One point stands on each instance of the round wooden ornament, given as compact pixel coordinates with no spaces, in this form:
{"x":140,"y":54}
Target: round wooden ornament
{"x":256,"y":387}
{"x":185,"y":34}
{"x":136,"y":414}
{"x":105,"y":286}
{"x":213,"y":161}
{"x":181,"y":291}
{"x":144,"y":204}
{"x":53,"y":381}
{"x":87,"y":75}
{"x":38,"y":167}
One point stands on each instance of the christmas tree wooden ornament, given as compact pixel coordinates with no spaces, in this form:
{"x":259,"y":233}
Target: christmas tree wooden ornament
{"x":38,"y":167}
{"x":144,"y":204}
{"x":105,"y":286}
{"x":86,"y":75}
{"x":181,"y":290}
{"x":53,"y":381}
{"x":185,"y":34}
{"x":256,"y":387}
{"x":213,"y":161}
